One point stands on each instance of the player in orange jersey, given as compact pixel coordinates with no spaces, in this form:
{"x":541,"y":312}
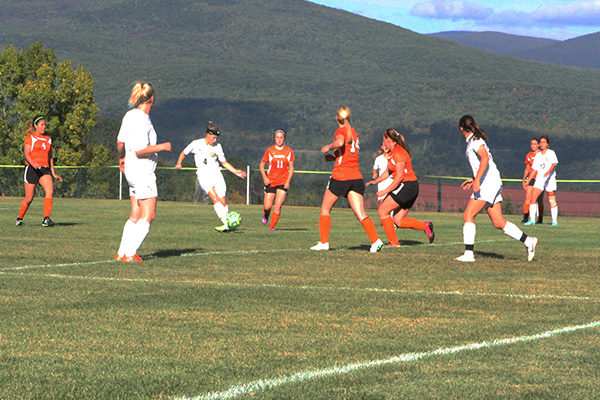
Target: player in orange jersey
{"x":401,"y":194}
{"x":277,"y":179}
{"x":39,"y":168}
{"x":346,"y":180}
{"x":529,"y":181}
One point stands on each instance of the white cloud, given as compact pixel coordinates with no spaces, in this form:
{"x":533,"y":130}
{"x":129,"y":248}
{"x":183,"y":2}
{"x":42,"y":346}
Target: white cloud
{"x":577,"y":13}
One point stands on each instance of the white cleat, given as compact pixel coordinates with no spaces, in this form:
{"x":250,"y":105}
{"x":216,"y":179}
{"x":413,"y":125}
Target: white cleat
{"x":320,"y":246}
{"x":466,"y":257}
{"x":375,"y":247}
{"x":531,"y":242}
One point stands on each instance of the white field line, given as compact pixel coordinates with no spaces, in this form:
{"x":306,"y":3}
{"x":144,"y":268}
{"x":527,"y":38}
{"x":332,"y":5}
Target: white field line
{"x":306,"y":287}
{"x":216,"y":253}
{"x":265,"y":384}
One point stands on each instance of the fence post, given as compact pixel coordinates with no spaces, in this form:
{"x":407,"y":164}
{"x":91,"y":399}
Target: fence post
{"x":247,"y":185}
{"x":120,"y":185}
{"x":162,"y":197}
{"x":439,"y":196}
{"x":78,"y":190}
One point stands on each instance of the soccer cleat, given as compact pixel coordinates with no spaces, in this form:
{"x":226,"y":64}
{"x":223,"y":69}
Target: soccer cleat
{"x":265,"y":219}
{"x":320,"y":246}
{"x":554,"y":224}
{"x":223,"y":228}
{"x":47,"y":222}
{"x":118,"y":257}
{"x":131,"y":259}
{"x":393,"y":245}
{"x":137,"y":258}
{"x":272,"y":229}
{"x":375,"y":247}
{"x":429,"y":231}
{"x":19,"y":221}
{"x":531,"y":242}
{"x":530,"y":222}
{"x":466,"y":257}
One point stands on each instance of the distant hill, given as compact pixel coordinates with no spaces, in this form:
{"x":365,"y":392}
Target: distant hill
{"x":583,"y":51}
{"x":256,"y":65}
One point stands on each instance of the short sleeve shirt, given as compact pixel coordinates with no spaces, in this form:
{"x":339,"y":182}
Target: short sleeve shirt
{"x":279,"y":162}
{"x":346,"y":166}
{"x":207,"y":157}
{"x":137,"y":133}
{"x":39,"y":149}
{"x":399,"y":155}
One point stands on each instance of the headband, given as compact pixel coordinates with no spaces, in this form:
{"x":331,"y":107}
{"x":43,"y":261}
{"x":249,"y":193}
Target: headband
{"x":38,"y":119}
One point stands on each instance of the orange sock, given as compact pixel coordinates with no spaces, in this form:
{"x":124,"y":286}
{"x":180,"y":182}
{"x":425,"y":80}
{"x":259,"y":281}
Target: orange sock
{"x":526,"y":208}
{"x":274,"y":220}
{"x":324,"y":227}
{"x":23,"y":209}
{"x":390,"y":229}
{"x":369,"y":227}
{"x":412,"y":224}
{"x":48,"y":207}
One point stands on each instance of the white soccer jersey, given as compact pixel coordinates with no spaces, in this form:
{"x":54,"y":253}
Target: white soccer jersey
{"x":206,"y":157}
{"x":381,"y":165}
{"x":137,"y":133}
{"x":491,"y":182}
{"x":542,"y":164}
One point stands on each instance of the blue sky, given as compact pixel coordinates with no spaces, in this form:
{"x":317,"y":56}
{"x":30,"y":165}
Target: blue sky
{"x":550,"y":19}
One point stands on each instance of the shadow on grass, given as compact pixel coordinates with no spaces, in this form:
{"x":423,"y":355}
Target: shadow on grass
{"x":489,"y":255}
{"x":173,"y":253}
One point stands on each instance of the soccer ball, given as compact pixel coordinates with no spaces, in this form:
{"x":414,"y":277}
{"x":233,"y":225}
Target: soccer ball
{"x":234,"y":219}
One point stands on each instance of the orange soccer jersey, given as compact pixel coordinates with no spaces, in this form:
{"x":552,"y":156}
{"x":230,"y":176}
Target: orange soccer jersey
{"x":529,"y":161}
{"x":39,"y":149}
{"x":346,"y":157}
{"x":399,"y":155}
{"x":279,"y":161}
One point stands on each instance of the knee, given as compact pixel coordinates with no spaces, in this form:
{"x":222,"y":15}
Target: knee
{"x":552,"y":201}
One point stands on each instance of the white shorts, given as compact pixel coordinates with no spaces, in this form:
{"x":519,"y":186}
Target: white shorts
{"x":490,"y":192}
{"x":548,"y":184}
{"x":143,"y":187}
{"x":216,"y":180}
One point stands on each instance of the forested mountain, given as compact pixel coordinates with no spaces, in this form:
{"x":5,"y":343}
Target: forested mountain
{"x":581,"y":52}
{"x":256,"y":65}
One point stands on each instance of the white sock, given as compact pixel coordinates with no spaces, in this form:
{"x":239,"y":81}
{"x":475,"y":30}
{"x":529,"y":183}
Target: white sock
{"x":222,"y":211}
{"x":513,"y":231}
{"x":140,"y":232}
{"x":469,"y":231}
{"x":126,"y":238}
{"x":554,"y":213}
{"x":533,"y":210}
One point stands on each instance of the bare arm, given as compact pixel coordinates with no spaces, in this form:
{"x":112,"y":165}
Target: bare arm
{"x":230,"y":168}
{"x":180,"y":160}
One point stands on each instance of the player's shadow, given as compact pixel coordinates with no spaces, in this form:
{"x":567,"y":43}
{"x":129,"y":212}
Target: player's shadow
{"x":291,"y":229}
{"x":57,"y":224}
{"x":173,"y":253}
{"x":489,"y":255}
{"x":402,"y":243}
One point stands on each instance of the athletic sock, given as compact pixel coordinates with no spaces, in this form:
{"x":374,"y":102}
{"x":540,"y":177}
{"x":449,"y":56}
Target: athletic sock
{"x":469,"y":232}
{"x":126,"y":238}
{"x":554,"y":213}
{"x":48,"y":206}
{"x":412,"y":224}
{"x":274,"y":220}
{"x":139,"y":233}
{"x":369,"y":227}
{"x":533,"y":212}
{"x":324,"y":228}
{"x":389,"y":229}
{"x":23,"y":209}
{"x":526,"y":208}
{"x":222,"y":211}
{"x":512,"y":230}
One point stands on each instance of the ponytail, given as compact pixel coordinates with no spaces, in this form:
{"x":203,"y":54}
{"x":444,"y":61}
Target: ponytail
{"x":467,"y":123}
{"x":141,"y":93}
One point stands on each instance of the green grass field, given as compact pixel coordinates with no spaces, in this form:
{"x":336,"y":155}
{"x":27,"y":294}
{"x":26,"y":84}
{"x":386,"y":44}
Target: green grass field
{"x":255,"y":314}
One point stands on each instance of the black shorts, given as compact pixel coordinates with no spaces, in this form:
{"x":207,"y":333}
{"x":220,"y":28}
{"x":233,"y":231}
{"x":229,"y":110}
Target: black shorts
{"x":406,"y":194}
{"x":342,"y":188}
{"x":33,"y":175}
{"x":274,"y":189}
{"x":532,"y":182}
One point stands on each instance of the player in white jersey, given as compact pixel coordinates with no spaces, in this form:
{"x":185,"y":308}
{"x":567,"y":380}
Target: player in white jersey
{"x":138,"y":150}
{"x":209,"y":156}
{"x":487,"y":192}
{"x":380,"y":165}
{"x":544,"y":163}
